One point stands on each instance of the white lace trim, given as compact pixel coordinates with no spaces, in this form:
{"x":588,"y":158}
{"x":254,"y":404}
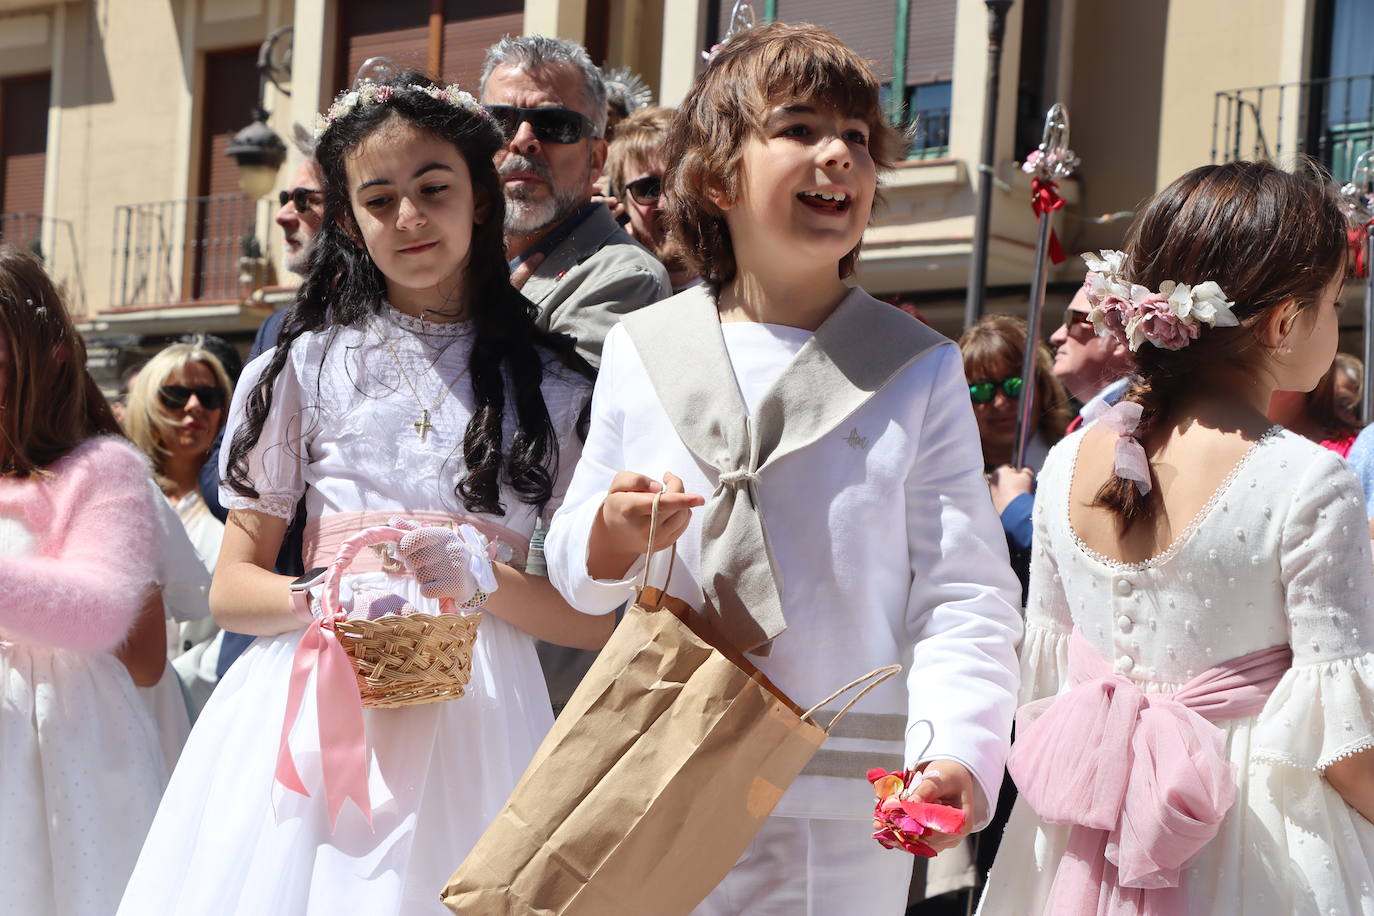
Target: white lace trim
{"x":1179,"y":542}
{"x":400,"y":319}
{"x":1288,"y":760}
{"x":281,"y":505}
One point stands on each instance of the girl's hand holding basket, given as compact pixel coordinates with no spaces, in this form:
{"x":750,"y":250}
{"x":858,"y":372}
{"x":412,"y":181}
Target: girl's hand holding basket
{"x":447,"y":563}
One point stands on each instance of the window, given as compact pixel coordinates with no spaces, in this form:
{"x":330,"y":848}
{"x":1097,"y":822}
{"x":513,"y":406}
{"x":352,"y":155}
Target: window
{"x":23,"y":158}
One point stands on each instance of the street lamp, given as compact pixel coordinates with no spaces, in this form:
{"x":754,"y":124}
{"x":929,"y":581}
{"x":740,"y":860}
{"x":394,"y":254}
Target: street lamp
{"x":257,"y":149}
{"x":978,"y":257}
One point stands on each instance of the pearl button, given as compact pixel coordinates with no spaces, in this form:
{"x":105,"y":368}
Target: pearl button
{"x":1123,"y":587}
{"x":1125,"y":623}
{"x":1125,"y":663}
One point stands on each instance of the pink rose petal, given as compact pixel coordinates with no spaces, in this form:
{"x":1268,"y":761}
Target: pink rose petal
{"x":942,"y":817}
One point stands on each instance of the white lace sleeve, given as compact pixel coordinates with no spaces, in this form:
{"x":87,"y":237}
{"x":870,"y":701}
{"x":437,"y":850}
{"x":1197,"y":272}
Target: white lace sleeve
{"x":1323,"y":708}
{"x":276,"y":465}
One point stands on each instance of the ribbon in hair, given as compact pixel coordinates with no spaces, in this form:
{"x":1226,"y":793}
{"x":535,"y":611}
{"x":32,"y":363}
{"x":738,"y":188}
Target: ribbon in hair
{"x":1130,"y":462}
{"x":1045,"y":199}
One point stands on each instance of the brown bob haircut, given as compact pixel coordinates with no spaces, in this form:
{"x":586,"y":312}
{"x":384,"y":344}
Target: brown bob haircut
{"x":750,"y":74}
{"x":993,"y":349}
{"x":51,"y":404}
{"x":638,"y":140}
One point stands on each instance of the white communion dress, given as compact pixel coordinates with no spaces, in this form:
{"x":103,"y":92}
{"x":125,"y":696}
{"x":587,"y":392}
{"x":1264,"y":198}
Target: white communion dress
{"x":227,"y":838}
{"x":1279,"y":556}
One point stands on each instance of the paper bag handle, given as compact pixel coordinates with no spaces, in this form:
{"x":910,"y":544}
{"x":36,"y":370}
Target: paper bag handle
{"x":870,"y":680}
{"x":649,"y":550}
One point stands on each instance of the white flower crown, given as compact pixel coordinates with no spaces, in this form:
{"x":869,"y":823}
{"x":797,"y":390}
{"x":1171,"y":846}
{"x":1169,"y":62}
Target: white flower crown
{"x":379,"y":94}
{"x":1170,"y":318}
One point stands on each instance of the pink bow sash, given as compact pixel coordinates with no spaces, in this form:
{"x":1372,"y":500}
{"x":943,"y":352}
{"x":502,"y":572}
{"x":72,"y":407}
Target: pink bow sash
{"x":1141,"y":777}
{"x":339,"y":705}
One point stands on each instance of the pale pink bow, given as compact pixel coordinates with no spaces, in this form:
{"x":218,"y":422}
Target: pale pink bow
{"x":1130,"y":463}
{"x":338,"y":704}
{"x":1141,"y":777}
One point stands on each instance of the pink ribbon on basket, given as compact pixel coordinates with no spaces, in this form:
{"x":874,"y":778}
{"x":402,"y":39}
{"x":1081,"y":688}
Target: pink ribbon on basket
{"x":1130,"y":462}
{"x":1141,"y":778}
{"x":338,"y":704}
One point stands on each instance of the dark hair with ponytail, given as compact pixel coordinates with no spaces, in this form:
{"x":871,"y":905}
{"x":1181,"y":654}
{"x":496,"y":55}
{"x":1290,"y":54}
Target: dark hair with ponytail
{"x":1266,"y":236}
{"x":345,"y":287}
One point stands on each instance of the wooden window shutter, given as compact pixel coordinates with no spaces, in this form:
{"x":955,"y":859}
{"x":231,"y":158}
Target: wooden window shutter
{"x":470,"y":27}
{"x":930,"y":41}
{"x":23,"y":155}
{"x":396,"y":29}
{"x":217,"y":225}
{"x":866,"y":28}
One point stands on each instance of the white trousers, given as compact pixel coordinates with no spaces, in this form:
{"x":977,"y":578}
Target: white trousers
{"x":801,"y":867}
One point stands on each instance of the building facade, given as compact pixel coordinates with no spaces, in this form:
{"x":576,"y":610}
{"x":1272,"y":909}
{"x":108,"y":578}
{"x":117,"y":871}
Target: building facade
{"x":115,"y":116}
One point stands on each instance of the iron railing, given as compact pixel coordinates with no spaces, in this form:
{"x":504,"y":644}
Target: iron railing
{"x":930,"y":136}
{"x":186,"y":250}
{"x":1330,"y":120}
{"x":54,"y":242}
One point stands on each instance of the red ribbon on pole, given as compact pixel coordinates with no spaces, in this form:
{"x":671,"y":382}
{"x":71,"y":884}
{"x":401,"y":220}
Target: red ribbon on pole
{"x":1045,"y":199}
{"x":1356,"y":236}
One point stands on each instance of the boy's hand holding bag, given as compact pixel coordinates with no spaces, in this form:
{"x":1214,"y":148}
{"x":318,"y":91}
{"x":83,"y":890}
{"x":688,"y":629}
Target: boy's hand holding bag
{"x":661,"y":769}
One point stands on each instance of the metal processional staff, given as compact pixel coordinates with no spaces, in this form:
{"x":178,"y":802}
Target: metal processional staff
{"x":1359,"y":196}
{"x":1051,"y":160}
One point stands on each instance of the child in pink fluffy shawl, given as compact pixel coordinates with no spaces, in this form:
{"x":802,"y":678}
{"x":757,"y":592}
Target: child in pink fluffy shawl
{"x":83,"y":770}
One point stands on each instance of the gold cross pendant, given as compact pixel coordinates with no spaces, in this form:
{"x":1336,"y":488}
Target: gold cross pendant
{"x":422,"y":425}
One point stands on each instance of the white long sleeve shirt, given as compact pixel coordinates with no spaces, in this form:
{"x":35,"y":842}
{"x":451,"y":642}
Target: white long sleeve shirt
{"x":889,"y":552}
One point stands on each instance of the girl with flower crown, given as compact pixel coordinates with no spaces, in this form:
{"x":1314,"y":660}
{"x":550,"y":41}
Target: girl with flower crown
{"x":409,"y":381}
{"x":1198,"y":665}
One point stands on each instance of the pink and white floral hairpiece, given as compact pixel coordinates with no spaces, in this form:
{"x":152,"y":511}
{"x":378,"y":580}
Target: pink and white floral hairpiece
{"x":370,"y":93}
{"x":1170,"y":318}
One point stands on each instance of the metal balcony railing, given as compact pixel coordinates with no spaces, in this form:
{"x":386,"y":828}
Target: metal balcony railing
{"x":1330,"y":120}
{"x":197,"y":249}
{"x":930,"y":138}
{"x":54,"y":242}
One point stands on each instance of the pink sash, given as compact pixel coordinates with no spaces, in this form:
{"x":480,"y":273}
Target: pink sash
{"x":1141,"y":777}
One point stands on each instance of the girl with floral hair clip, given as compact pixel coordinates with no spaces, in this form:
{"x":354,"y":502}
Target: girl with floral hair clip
{"x":410,"y":389}
{"x":1199,"y":654}
{"x":843,"y":522}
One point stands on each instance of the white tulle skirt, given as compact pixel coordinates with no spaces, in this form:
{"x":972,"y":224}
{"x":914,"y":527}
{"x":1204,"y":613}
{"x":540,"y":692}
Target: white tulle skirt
{"x":229,"y":840}
{"x":81,"y":771}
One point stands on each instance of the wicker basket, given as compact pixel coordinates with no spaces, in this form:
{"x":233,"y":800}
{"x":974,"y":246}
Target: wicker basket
{"x":402,"y":660}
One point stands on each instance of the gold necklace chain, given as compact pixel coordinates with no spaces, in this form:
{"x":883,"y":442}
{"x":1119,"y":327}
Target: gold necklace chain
{"x":422,"y":426}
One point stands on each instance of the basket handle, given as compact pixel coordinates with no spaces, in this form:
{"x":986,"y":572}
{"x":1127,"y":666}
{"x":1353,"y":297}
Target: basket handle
{"x":649,"y":550}
{"x":870,"y":680}
{"x":380,"y":534}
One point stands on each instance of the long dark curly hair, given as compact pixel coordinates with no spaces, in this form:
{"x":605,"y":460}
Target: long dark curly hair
{"x":345,"y":287}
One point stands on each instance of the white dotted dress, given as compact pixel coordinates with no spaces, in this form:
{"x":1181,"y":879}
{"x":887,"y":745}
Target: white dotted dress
{"x":1280,"y":554}
{"x":227,"y":839}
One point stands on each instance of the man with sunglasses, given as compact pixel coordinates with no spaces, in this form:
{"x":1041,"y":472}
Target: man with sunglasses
{"x":634,"y":169}
{"x":549,"y":100}
{"x":302,"y":211}
{"x":1096,"y":370}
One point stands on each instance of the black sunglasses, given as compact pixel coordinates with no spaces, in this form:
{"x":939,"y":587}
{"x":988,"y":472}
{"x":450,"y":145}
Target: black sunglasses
{"x":646,"y":191}
{"x":550,"y":125}
{"x":175,"y":397}
{"x":302,"y":199}
{"x":983,"y":392}
{"x":1073,"y":316}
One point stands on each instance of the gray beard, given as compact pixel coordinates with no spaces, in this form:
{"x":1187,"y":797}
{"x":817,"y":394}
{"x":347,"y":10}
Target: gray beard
{"x":526,"y":217}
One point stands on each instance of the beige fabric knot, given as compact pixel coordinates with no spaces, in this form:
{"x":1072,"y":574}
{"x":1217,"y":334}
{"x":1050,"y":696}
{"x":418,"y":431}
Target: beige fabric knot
{"x":736,"y":478}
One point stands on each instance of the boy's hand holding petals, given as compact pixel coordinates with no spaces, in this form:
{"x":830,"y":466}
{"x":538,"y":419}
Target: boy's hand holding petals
{"x":945,"y":782}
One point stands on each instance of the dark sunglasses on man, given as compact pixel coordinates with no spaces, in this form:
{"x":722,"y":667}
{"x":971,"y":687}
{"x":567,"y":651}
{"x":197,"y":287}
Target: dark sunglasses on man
{"x":1073,"y":317}
{"x":550,"y":125}
{"x":302,"y":199}
{"x":646,"y":191}
{"x":984,"y":392}
{"x":175,"y":397}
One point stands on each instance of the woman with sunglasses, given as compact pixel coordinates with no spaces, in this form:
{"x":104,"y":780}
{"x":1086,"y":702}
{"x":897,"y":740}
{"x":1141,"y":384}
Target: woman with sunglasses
{"x":176,"y":408}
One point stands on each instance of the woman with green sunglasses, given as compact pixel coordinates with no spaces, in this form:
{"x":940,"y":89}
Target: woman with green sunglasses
{"x":992,"y":351}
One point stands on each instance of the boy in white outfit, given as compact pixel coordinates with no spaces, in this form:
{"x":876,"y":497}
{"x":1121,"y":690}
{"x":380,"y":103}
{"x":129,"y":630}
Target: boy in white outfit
{"x":846,"y":522}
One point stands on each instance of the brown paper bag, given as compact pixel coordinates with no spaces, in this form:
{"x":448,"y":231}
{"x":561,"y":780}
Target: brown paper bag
{"x":657,"y":775}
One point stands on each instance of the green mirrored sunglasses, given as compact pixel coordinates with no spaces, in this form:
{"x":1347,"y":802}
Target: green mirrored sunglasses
{"x":983,"y":392}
